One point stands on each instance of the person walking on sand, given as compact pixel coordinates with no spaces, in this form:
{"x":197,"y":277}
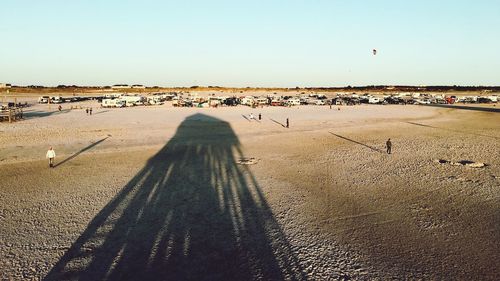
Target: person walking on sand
{"x":51,"y":154}
{"x":59,"y":107}
{"x":90,"y":111}
{"x":388,"y":145}
{"x":87,"y":110}
{"x":260,"y":116}
{"x":251,"y":116}
{"x":287,"y":123}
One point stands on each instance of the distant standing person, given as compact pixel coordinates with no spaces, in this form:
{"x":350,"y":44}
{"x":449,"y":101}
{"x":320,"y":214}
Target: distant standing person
{"x":87,"y":110}
{"x":251,"y":116}
{"x":59,"y":107}
{"x":90,"y":111}
{"x":388,"y":145}
{"x":287,"y":123}
{"x":260,"y":116}
{"x":51,"y":154}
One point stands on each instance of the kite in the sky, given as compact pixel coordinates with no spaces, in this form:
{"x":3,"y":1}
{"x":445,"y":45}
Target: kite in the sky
{"x":374,"y":52}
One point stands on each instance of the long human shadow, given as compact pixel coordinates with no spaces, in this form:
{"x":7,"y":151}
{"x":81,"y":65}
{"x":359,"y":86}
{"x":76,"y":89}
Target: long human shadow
{"x":40,"y":114}
{"x":474,"y":108}
{"x":282,"y":125}
{"x":451,"y":130}
{"x":80,"y":152}
{"x":100,"y":112}
{"x":191,"y":213}
{"x":357,"y":142}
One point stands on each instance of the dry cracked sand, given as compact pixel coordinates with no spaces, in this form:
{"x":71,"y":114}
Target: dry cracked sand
{"x":162,"y":193}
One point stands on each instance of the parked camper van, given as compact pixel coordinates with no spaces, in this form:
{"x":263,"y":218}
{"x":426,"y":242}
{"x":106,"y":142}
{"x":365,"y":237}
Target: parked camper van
{"x":155,"y":100}
{"x":43,"y":99}
{"x":56,"y":100}
{"x":261,"y":101}
{"x":112,"y":103}
{"x":248,"y":100}
{"x":293,"y":101}
{"x":493,"y":98}
{"x":132,"y":100}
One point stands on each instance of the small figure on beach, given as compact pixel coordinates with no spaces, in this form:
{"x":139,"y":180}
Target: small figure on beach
{"x":260,"y":116}
{"x":287,"y":123}
{"x":388,"y":145}
{"x":87,"y":110}
{"x":51,"y":154}
{"x":59,"y":107}
{"x":251,"y":117}
{"x":330,"y":106}
{"x":90,"y":111}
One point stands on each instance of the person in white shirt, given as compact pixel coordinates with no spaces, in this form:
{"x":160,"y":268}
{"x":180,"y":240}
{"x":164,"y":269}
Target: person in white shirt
{"x":51,"y":154}
{"x":251,"y":116}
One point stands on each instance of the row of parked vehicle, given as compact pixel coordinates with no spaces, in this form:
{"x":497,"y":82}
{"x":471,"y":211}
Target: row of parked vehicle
{"x":123,"y":100}
{"x":311,"y":99}
{"x":114,"y":99}
{"x":59,"y":99}
{"x":411,"y":99}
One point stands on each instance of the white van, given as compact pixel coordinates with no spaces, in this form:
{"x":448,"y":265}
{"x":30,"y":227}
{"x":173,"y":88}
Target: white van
{"x":56,"y":100}
{"x":112,"y":103}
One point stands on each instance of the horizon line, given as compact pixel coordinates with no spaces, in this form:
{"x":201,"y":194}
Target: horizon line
{"x":136,"y":86}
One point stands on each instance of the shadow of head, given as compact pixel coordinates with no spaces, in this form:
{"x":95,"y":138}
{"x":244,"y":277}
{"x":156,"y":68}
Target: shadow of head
{"x":190,"y":213}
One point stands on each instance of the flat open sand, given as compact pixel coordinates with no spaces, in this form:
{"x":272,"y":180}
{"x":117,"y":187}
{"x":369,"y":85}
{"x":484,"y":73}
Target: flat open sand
{"x":163,"y":193}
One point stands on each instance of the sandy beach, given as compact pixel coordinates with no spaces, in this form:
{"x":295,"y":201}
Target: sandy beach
{"x":162,"y":192}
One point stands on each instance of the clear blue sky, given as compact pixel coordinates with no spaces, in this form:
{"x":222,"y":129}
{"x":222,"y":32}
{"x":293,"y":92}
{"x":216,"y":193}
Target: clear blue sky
{"x":250,"y":43}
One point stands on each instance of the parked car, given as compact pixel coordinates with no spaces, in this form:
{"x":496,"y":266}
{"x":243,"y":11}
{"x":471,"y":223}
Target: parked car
{"x":374,"y":100}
